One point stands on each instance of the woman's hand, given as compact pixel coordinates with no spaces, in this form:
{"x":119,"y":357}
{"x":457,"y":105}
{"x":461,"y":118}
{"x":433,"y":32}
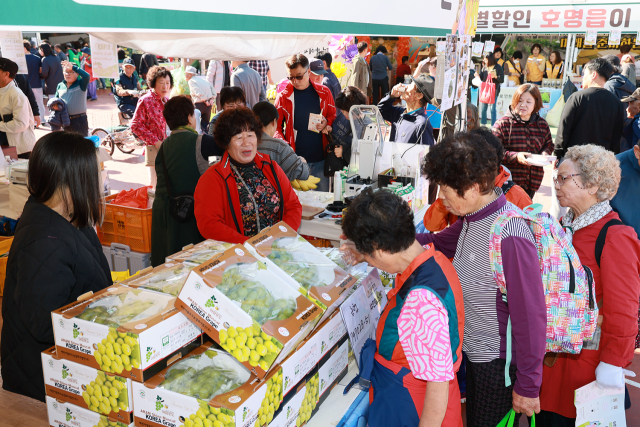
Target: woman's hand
{"x":350,"y":250}
{"x":522,"y":158}
{"x":525,"y":405}
{"x":338,"y":151}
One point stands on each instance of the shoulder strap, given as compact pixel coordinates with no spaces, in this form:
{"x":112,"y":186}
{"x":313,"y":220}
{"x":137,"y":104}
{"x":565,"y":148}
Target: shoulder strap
{"x":275,"y":177}
{"x":164,"y":169}
{"x":602,"y":237}
{"x":508,"y":185}
{"x":203,"y":164}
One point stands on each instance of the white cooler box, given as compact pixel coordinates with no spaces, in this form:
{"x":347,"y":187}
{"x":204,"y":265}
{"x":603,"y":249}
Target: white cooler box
{"x":121,"y":258}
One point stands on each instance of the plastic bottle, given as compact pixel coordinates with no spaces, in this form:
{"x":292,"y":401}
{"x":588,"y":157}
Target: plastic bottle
{"x":337,"y":187}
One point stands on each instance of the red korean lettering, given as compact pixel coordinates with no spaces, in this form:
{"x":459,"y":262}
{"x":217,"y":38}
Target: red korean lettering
{"x":519,"y":15}
{"x":550,"y":17}
{"x":573,"y":18}
{"x":596,"y":18}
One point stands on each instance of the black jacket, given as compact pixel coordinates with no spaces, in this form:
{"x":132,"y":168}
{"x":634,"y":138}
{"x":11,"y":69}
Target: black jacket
{"x":51,"y":263}
{"x":591,"y":116}
{"x":23,"y":83}
{"x":621,"y":87}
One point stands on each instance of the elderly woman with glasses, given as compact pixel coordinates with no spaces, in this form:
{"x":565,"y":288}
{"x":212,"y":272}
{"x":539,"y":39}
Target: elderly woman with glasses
{"x":587,"y":179}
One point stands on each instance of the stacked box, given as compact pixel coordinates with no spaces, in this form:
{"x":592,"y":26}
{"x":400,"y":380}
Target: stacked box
{"x":247,"y":309}
{"x":232,"y":396}
{"x":62,"y":414}
{"x":139,"y":330}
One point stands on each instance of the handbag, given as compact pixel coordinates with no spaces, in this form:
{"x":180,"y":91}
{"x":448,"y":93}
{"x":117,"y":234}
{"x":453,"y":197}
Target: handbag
{"x":488,"y":91}
{"x":333,"y":163}
{"x":510,"y":418}
{"x":181,"y":205}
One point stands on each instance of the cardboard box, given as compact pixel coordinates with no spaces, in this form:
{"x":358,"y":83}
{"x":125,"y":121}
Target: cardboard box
{"x":319,"y":278}
{"x":85,"y":387}
{"x":63,"y":414}
{"x":148,"y":340}
{"x":311,"y":351}
{"x":333,"y":368}
{"x":199,"y":253}
{"x":220,"y":295}
{"x":253,"y":403}
{"x":167,"y":278}
{"x":299,"y":408}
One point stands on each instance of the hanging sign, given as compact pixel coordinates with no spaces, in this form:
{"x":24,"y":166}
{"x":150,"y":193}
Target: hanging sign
{"x":104,"y":58}
{"x":13,"y":49}
{"x":614,"y":37}
{"x":591,"y":37}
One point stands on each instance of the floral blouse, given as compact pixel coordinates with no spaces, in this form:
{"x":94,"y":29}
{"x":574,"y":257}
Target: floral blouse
{"x":265,"y":195}
{"x":148,"y":123}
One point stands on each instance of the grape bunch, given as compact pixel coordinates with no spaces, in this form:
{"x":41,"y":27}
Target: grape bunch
{"x":159,"y":404}
{"x":169,"y":281}
{"x":65,"y":372}
{"x":271,"y":401}
{"x":254,"y":298}
{"x":68,"y":415}
{"x":305,"y":274}
{"x":106,"y":394}
{"x":251,"y":345}
{"x":204,"y":383}
{"x":208,"y":416}
{"x":117,"y":314}
{"x":117,"y":352}
{"x":104,"y":422}
{"x":76,"y":332}
{"x":309,"y":402}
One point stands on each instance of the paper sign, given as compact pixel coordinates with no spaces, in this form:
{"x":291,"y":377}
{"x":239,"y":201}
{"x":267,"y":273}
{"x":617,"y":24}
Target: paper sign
{"x":599,"y":407}
{"x":104,"y":58}
{"x":448,"y":94}
{"x":489,"y":45}
{"x":361,"y":311}
{"x":478,"y":48}
{"x":13,"y":49}
{"x":614,"y":37}
{"x":465,"y":40}
{"x":315,"y":121}
{"x":591,"y":38}
{"x":440,"y":47}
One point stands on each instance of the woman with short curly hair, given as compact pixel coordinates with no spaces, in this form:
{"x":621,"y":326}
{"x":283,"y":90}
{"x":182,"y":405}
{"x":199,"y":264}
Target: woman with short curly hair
{"x":587,"y":179}
{"x":465,"y":166}
{"x":246,"y":191}
{"x":148,"y":123}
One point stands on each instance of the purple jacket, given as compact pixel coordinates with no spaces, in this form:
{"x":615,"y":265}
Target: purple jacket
{"x":524,"y":289}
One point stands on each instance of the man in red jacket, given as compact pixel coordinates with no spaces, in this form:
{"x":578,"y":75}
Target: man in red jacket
{"x":306,"y":112}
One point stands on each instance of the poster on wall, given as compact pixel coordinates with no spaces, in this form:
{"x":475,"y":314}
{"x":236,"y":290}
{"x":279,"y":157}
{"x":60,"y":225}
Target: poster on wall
{"x":489,"y":45}
{"x":104,"y":57}
{"x":13,"y":49}
{"x":591,"y":37}
{"x":462,"y":73}
{"x":450,"y":52}
{"x":477,"y":49}
{"x":441,"y":47}
{"x":614,"y":37}
{"x":448,"y":92}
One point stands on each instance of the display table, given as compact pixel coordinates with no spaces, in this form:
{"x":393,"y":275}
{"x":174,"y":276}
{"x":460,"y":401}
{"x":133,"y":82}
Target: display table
{"x":12,"y":199}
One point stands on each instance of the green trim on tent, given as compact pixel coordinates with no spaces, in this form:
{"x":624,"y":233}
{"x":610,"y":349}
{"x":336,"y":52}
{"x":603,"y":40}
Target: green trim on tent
{"x":67,"y":13}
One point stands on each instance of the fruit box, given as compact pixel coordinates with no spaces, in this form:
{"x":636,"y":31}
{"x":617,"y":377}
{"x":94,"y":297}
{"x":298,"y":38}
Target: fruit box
{"x":302,"y":404}
{"x":87,"y":387}
{"x":318,"y":278}
{"x":247,"y":309}
{"x":333,"y":368}
{"x":234,"y":397}
{"x":63,"y":414}
{"x":130,"y":332}
{"x":315,"y":347}
{"x":199,"y":253}
{"x":167,"y":278}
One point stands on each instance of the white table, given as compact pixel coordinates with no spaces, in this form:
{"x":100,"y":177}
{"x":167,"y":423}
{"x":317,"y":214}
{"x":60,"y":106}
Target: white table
{"x":12,"y":199}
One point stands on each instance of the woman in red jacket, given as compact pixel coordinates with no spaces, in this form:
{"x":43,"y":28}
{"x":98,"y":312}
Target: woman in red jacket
{"x":587,"y":179}
{"x":246,"y":191}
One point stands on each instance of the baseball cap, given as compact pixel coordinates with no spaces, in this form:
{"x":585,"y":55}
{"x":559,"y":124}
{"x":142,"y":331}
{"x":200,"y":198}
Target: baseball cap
{"x":128,"y":61}
{"x":10,"y":66}
{"x":86,"y":50}
{"x":635,"y":96}
{"x":191,"y":70}
{"x":426,"y":85}
{"x":317,"y":67}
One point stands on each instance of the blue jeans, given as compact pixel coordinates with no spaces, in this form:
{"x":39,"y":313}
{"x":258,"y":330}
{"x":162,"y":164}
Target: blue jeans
{"x":317,"y":169}
{"x":483,"y":111}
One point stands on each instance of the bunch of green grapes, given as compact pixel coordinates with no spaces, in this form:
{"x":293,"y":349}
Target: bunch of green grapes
{"x":205,"y":383}
{"x":168,"y":281}
{"x":254,"y":298}
{"x":250,"y":345}
{"x":271,"y":401}
{"x":306,"y":275}
{"x":118,"y":314}
{"x":309,"y":402}
{"x":208,"y":416}
{"x":119,"y":351}
{"x":106,"y":394}
{"x":104,"y":422}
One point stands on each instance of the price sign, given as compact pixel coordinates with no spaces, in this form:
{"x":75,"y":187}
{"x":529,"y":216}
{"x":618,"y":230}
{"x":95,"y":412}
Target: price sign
{"x":361,"y":311}
{"x":104,"y":58}
{"x":13,"y":49}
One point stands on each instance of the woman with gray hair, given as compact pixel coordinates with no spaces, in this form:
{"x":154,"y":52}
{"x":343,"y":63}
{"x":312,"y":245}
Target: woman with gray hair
{"x":587,"y":179}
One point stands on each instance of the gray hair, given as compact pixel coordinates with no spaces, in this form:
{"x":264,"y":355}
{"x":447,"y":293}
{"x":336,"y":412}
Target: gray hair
{"x":598,"y":167}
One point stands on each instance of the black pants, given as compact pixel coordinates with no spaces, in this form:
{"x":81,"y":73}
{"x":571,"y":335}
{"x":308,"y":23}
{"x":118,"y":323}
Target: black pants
{"x":529,"y":192}
{"x":79,"y":124}
{"x":205,"y":115}
{"x":551,"y":419}
{"x":488,"y":400}
{"x":377,"y":85}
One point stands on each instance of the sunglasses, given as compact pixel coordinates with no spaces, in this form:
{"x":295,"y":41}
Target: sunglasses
{"x":300,"y":77}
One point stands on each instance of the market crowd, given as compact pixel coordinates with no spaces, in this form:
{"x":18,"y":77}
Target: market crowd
{"x":468,"y":310}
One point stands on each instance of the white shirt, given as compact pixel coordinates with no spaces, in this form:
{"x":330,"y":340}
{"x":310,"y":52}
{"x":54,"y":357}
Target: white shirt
{"x":19,"y":130}
{"x":201,"y":90}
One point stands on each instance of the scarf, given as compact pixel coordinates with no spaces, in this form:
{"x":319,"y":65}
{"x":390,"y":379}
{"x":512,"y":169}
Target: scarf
{"x":592,"y":215}
{"x":184,"y":129}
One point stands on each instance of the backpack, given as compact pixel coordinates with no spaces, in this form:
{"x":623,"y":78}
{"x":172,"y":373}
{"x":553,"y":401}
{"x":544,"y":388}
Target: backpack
{"x":569,"y":287}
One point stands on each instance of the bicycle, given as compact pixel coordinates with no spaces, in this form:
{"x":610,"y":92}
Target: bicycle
{"x":114,"y":130}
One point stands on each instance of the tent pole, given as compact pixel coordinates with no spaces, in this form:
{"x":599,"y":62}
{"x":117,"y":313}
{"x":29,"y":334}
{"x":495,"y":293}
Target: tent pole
{"x":569,"y":57}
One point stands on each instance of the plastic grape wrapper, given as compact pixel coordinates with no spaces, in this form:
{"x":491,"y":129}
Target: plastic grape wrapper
{"x":263,"y":300}
{"x":200,"y":253}
{"x":168,"y":278}
{"x":345,"y":260}
{"x":206,"y":375}
{"x":131,"y":306}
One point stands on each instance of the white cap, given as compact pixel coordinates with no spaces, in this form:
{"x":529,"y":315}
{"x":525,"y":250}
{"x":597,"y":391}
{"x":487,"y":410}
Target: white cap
{"x":191,"y":70}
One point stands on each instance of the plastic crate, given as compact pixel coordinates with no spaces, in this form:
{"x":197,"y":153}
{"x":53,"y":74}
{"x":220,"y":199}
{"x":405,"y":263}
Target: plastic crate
{"x":122,"y":258}
{"x":129,"y":226}
{"x":5,"y":245}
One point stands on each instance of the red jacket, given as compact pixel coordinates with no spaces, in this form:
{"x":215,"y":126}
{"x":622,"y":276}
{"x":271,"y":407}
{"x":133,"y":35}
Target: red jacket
{"x":217,"y":202}
{"x":285,"y":105}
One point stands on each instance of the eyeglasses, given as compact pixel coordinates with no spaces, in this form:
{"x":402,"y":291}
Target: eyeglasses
{"x":300,"y":77}
{"x":561,"y":179}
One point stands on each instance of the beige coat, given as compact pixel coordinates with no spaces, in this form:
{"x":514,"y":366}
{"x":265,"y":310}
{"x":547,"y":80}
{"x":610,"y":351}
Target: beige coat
{"x":361,"y":75}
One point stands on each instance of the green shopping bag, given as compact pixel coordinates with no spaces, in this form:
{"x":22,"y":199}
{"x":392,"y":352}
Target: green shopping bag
{"x":510,"y":418}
